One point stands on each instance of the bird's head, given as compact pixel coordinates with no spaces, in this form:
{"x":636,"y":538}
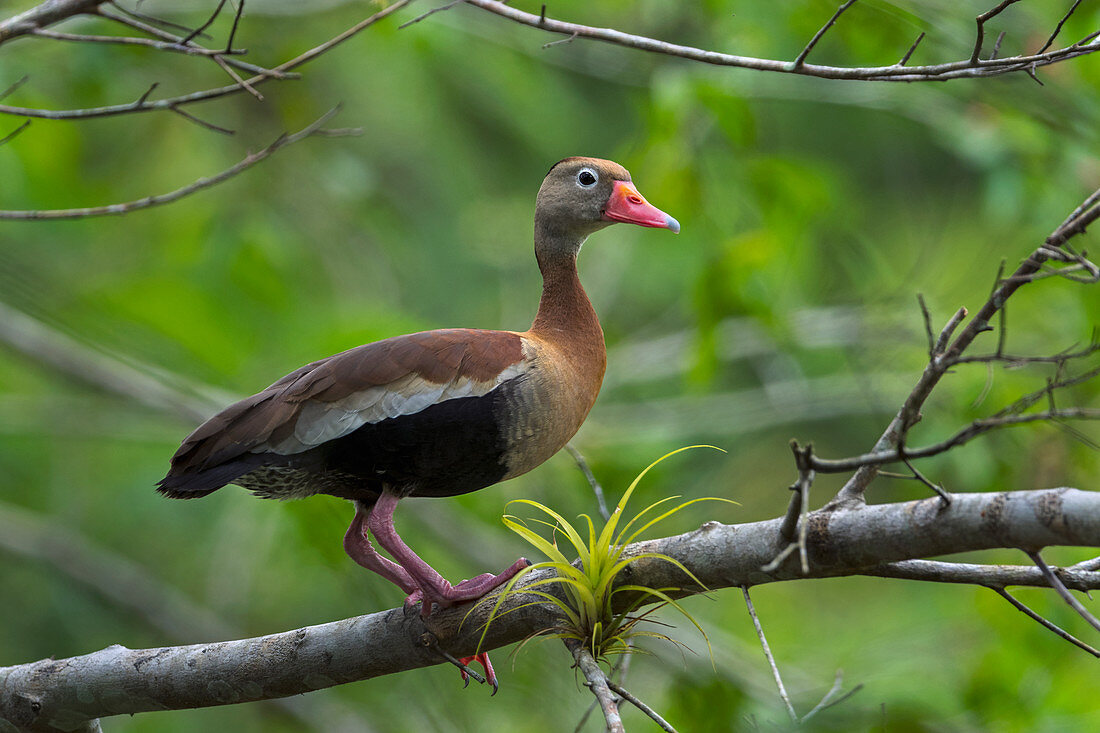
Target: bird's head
{"x":583,"y":195}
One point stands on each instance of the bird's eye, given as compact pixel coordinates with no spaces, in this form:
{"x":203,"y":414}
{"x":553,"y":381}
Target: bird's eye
{"x":587,"y":178}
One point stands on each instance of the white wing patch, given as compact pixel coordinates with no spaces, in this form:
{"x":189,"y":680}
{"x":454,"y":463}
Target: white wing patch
{"x":319,"y":422}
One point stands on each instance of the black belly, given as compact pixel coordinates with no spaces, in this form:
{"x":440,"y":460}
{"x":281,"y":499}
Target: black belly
{"x":453,"y":447}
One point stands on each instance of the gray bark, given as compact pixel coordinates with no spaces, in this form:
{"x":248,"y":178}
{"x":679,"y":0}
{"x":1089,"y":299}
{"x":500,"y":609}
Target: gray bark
{"x":66,"y":694}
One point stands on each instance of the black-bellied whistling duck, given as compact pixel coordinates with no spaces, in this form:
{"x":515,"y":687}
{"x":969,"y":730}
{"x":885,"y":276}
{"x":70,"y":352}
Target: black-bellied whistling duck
{"x":437,"y":413}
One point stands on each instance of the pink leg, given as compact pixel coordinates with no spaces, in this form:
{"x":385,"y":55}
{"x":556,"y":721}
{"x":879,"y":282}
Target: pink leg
{"x":357,"y":545}
{"x":433,"y":587}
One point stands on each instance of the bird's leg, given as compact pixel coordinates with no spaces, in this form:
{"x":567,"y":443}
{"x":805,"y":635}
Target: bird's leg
{"x":357,"y":545}
{"x":434,"y":588}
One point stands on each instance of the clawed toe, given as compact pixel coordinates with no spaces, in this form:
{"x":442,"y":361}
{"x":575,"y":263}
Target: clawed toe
{"x":490,"y":673}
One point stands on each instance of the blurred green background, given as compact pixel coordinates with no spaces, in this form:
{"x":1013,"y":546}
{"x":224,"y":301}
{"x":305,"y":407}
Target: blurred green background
{"x":813,"y":212}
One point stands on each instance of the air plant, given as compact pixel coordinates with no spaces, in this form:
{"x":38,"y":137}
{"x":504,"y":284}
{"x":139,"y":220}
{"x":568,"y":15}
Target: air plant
{"x":588,"y":585}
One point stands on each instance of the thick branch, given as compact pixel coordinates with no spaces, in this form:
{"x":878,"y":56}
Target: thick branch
{"x":117,"y":680}
{"x":40,"y":16}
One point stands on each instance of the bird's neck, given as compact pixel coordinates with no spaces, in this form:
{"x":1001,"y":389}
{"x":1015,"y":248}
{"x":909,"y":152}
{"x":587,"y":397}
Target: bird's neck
{"x":565,"y":314}
{"x":564,"y":304}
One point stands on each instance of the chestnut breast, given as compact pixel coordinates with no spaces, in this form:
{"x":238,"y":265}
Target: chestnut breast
{"x":554,"y":399}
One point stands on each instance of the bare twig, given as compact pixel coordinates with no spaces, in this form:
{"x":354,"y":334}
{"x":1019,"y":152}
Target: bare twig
{"x":1058,"y":28}
{"x":821,"y":32}
{"x":827,"y":701}
{"x":1086,"y":213}
{"x":997,"y":46}
{"x":231,"y":59}
{"x":233,"y":29}
{"x":971,"y":431}
{"x":979,"y":37}
{"x":172,"y":46}
{"x":768,"y":654}
{"x":909,"y":53}
{"x":940,"y":491}
{"x":967,"y":68}
{"x":776,"y":562}
{"x":798,"y":511}
{"x":433,"y":11}
{"x":209,"y":22}
{"x":1079,"y":577}
{"x":622,"y":666}
{"x":560,"y":41}
{"x":1002,"y":333}
{"x":948,"y":330}
{"x":250,"y":160}
{"x":1019,"y":605}
{"x":220,"y":61}
{"x":16,"y":131}
{"x":927,"y":317}
{"x":14,"y":86}
{"x":852,"y":491}
{"x":174,"y":103}
{"x":838,"y":680}
{"x":596,"y":488}
{"x":1019,"y":360}
{"x":805,"y":480}
{"x":794,"y":507}
{"x":630,"y":698}
{"x":596,"y":681}
{"x":146,"y":18}
{"x":201,"y":122}
{"x":1060,"y":588}
{"x":1087,"y":38}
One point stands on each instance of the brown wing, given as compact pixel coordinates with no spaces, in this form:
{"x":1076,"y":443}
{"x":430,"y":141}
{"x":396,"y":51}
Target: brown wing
{"x":333,"y":396}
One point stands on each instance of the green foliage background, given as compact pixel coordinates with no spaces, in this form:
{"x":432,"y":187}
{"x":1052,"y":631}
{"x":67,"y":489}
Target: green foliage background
{"x":813,"y":212}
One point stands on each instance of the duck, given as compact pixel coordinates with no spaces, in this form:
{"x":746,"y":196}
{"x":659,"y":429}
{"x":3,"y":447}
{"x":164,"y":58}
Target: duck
{"x":432,"y":414}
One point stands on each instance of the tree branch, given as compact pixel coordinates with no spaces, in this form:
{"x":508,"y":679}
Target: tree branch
{"x":967,"y":68}
{"x":821,"y":32}
{"x":934,"y":571}
{"x":596,"y":681}
{"x":633,"y":700}
{"x":768,"y":655}
{"x":173,"y":103}
{"x":1060,"y":588}
{"x":944,"y":356}
{"x":40,"y":16}
{"x":971,"y":431}
{"x":842,"y":542}
{"x":1045,"y":622}
{"x":124,"y":208}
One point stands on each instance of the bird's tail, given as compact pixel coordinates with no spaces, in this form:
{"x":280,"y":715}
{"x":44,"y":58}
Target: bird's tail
{"x":194,"y":484}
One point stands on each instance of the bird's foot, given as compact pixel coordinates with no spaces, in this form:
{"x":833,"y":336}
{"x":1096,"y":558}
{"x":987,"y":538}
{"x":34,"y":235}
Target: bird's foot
{"x":490,"y":674}
{"x":412,"y":599}
{"x":446,"y":595}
